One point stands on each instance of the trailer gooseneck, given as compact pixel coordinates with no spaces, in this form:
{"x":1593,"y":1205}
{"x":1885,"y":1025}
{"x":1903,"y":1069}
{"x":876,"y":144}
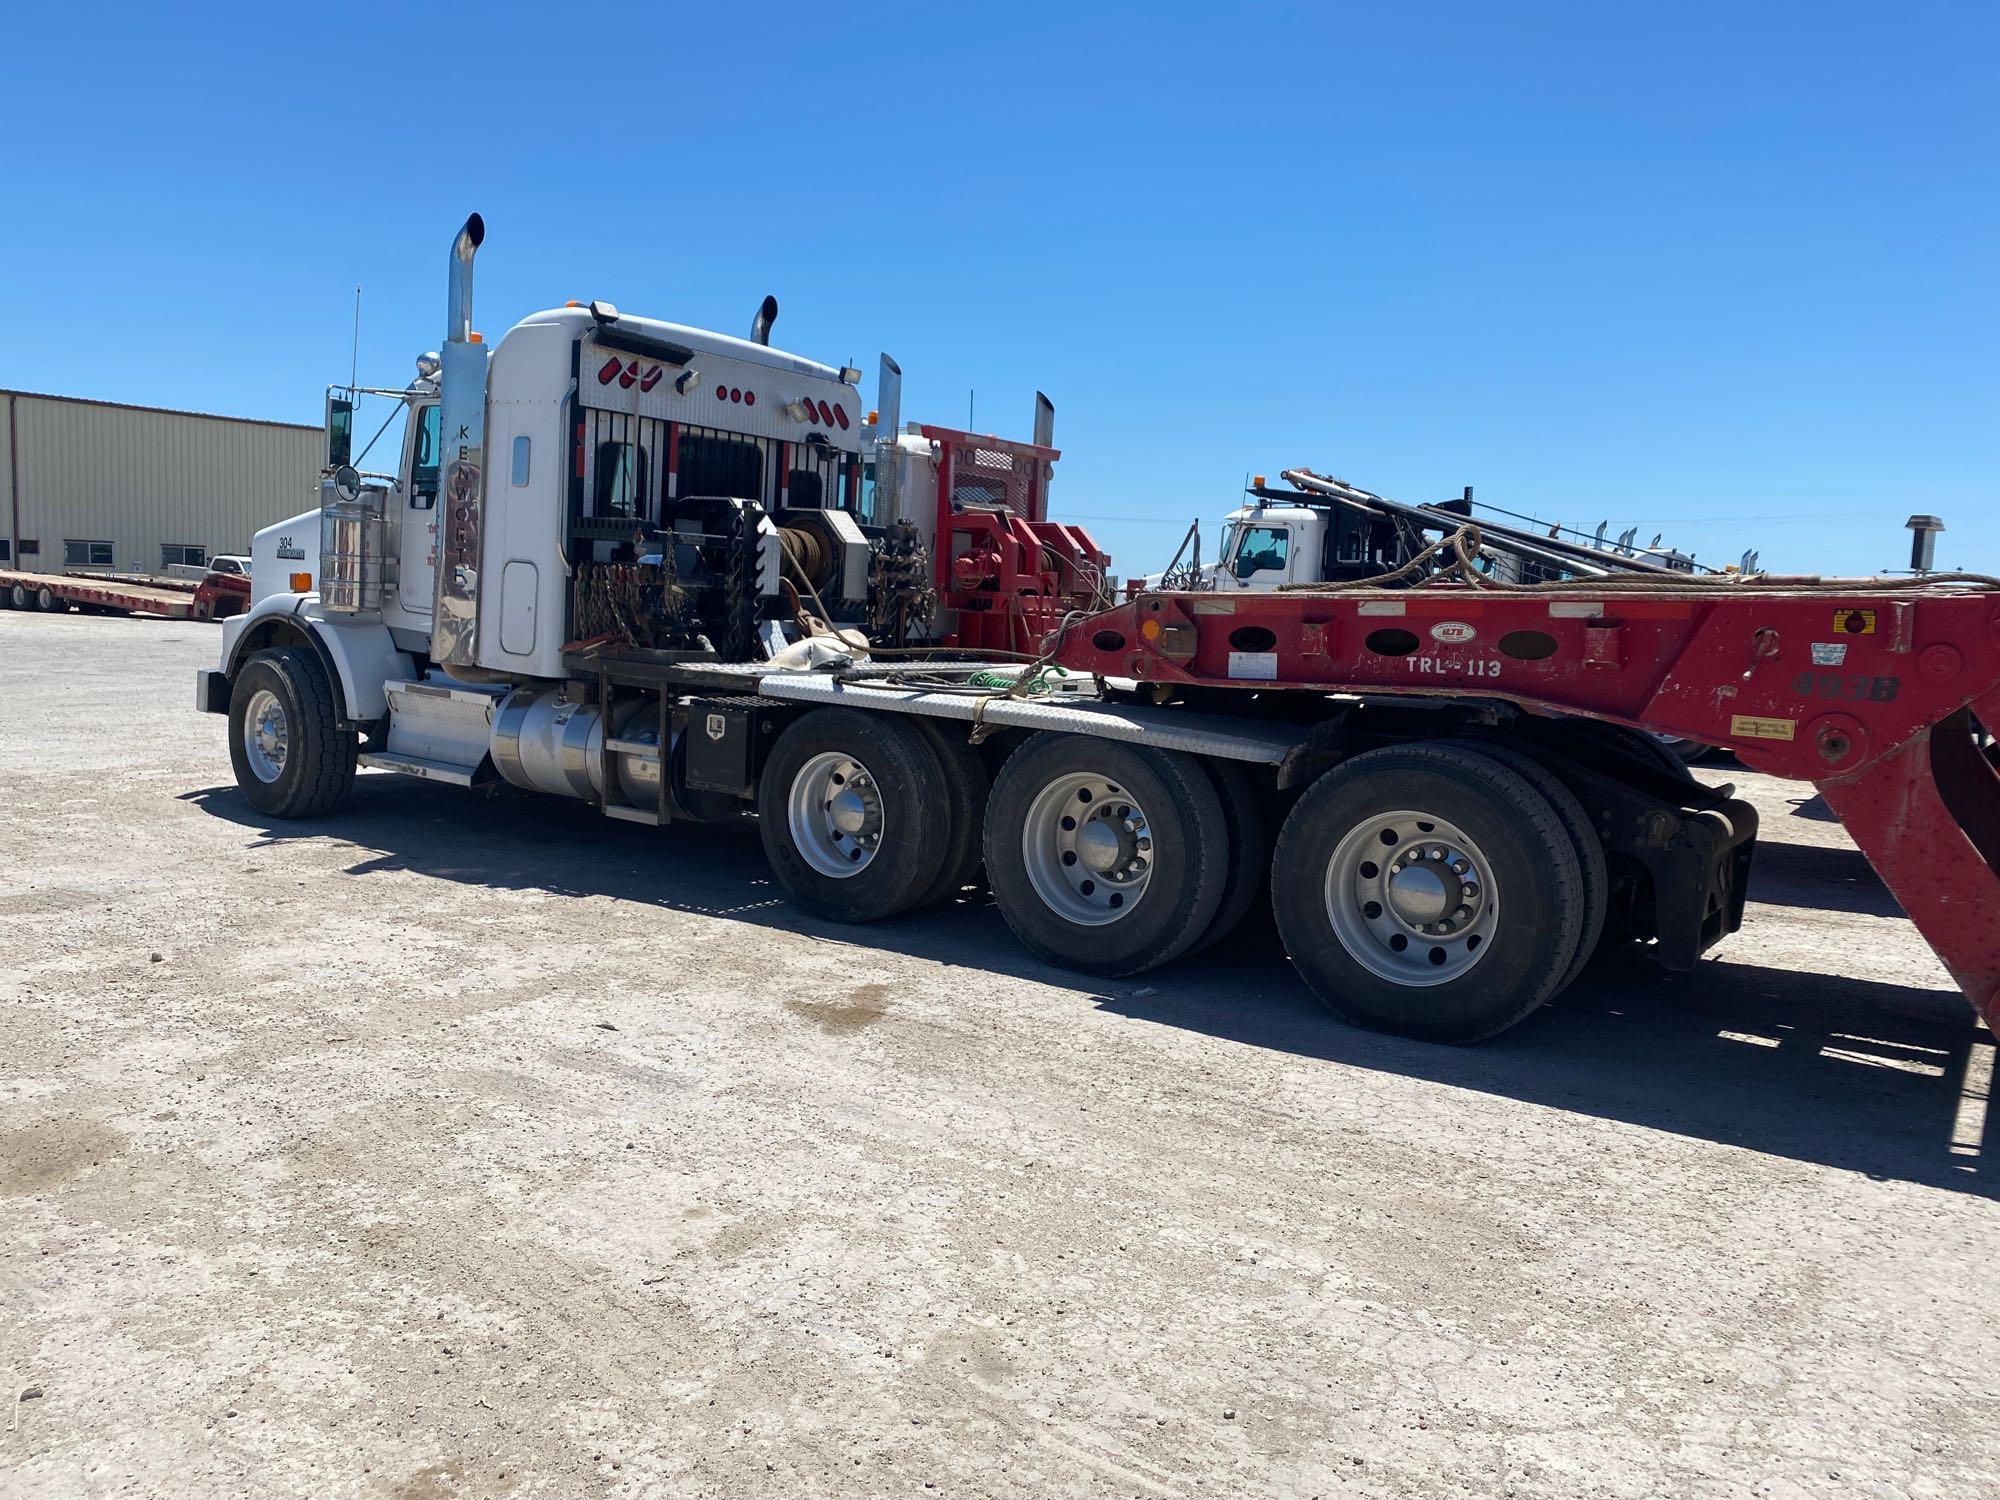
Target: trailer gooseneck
{"x":681,"y":576}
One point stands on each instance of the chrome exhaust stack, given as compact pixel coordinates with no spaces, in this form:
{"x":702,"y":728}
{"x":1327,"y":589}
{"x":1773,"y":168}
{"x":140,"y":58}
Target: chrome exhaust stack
{"x":888,"y":427}
{"x":462,"y":384}
{"x":760,"y":326}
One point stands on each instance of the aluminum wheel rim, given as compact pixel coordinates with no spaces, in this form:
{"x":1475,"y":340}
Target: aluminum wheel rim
{"x":1088,"y":848}
{"x":266,"y":735}
{"x":1412,"y":898}
{"x":835,"y":813}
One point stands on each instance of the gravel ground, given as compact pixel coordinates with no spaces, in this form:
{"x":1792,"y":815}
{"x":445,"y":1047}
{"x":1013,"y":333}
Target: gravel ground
{"x":445,"y":1148}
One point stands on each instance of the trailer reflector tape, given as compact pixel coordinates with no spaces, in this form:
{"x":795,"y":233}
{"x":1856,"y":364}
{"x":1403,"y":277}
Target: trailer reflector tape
{"x":1752,"y":727}
{"x":1381,"y":607}
{"x":1572,"y":609}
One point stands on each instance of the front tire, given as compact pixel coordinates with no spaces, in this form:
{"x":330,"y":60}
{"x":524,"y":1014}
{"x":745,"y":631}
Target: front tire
{"x":291,"y":757}
{"x":1428,"y":890}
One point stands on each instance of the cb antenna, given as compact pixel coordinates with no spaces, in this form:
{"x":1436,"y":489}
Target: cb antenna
{"x":354,"y":360}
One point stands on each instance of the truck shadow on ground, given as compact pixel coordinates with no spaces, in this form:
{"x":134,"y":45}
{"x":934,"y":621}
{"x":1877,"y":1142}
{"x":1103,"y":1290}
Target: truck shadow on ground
{"x":1883,"y":1079}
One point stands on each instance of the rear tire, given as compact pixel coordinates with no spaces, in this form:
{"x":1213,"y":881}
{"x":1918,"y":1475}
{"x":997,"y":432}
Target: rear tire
{"x":1106,"y":858}
{"x":292,"y":759}
{"x":49,"y":602}
{"x":21,"y":597}
{"x":966,"y":788}
{"x":853,"y":813}
{"x":1249,"y":849}
{"x":1589,"y":851}
{"x":1428,"y":890}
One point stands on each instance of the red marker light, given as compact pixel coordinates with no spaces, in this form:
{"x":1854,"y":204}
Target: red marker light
{"x":840,"y":416}
{"x":735,"y":394}
{"x":652,"y":378}
{"x":611,"y":368}
{"x":722,"y":393}
{"x":826,"y":413}
{"x":631,"y":373}
{"x":749,"y":398}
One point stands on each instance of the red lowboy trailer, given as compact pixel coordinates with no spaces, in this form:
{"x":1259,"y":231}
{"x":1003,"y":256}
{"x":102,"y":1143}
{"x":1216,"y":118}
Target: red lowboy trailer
{"x":1880,"y":692}
{"x":107,"y":594}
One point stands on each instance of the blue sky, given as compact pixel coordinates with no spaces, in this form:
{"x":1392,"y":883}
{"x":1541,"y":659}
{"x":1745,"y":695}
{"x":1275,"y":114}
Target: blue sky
{"x":1722,"y":271}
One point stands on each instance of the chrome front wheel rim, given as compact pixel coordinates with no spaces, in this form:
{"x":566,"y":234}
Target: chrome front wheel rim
{"x":835,"y":814}
{"x":1088,"y":848}
{"x":1412,"y":898}
{"x":266,"y":735}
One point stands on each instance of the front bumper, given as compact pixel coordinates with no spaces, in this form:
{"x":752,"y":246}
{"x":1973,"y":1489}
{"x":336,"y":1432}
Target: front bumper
{"x":211,"y":692}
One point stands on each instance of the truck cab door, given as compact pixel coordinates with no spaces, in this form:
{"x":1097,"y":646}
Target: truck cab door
{"x":416,"y":577}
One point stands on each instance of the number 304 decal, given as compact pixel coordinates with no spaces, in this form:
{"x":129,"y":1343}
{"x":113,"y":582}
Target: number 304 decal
{"x":1852,"y":689}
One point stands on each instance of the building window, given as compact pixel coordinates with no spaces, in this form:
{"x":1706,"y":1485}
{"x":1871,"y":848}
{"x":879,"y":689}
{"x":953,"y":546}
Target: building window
{"x":86,"y":554}
{"x":6,"y":550}
{"x":30,"y":547}
{"x":182,"y":554}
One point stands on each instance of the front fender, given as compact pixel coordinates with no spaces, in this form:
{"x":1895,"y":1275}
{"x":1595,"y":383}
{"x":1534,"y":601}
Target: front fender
{"x":359,"y":655}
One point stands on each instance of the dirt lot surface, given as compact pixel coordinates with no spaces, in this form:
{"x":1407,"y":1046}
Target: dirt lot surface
{"x":443,"y":1148}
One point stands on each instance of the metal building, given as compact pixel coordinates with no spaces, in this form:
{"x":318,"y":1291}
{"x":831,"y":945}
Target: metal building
{"x":94,"y":484}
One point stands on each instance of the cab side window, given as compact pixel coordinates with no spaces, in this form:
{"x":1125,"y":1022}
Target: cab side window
{"x":1263,"y":549}
{"x":424,"y":456}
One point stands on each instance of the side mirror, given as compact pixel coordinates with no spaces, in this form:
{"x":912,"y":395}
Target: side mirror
{"x":347,"y":483}
{"x":339,"y":431}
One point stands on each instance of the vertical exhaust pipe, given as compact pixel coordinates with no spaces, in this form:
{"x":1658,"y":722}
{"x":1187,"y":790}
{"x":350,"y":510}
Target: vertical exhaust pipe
{"x":1045,"y":437}
{"x":888,"y":455}
{"x":462,"y":499}
{"x":760,"y":326}
{"x":458,"y":302}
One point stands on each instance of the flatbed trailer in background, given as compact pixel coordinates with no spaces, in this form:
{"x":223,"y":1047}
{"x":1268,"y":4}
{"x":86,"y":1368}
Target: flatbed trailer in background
{"x":117,"y":594}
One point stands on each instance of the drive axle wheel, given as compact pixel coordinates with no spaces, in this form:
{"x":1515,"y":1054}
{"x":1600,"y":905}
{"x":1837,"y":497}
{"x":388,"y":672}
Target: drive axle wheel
{"x":1429,"y":890}
{"x":292,"y":759}
{"x":853,"y":814}
{"x":1105,"y":857}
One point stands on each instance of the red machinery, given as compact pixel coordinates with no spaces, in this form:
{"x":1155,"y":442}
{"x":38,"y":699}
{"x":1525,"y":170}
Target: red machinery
{"x":1878,"y":691}
{"x":1008,"y":573}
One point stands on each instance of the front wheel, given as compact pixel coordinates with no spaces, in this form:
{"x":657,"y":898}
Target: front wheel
{"x":292,"y":759}
{"x":1429,"y":890}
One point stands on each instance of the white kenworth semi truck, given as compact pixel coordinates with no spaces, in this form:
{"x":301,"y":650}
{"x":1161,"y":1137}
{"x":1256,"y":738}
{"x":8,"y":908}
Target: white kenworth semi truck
{"x":672,"y":574}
